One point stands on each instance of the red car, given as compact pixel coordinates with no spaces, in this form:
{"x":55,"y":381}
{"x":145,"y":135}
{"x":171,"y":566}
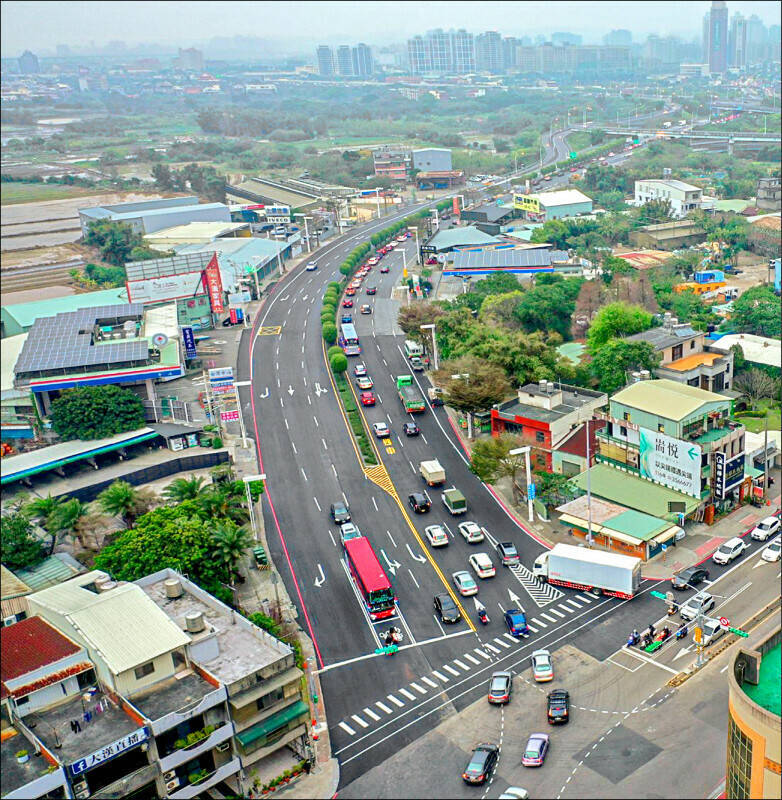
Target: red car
{"x":347,"y":303}
{"x":367,"y":399}
{"x":350,"y":292}
{"x":431,"y":261}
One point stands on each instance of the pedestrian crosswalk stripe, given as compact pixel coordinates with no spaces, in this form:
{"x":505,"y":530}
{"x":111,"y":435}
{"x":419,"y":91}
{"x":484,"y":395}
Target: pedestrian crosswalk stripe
{"x":371,"y":714}
{"x":501,"y":643}
{"x":533,"y":630}
{"x":493,"y":649}
{"x":418,"y":688}
{"x":395,"y":700}
{"x":360,"y":721}
{"x":564,"y":608}
{"x":584,"y":598}
{"x":573,"y":602}
{"x":481,"y":653}
{"x":508,"y":636}
{"x":450,"y":669}
{"x":408,"y":695}
{"x":439,"y":676}
{"x":345,"y":727}
{"x":538,"y":622}
{"x":471,"y":659}
{"x":429,"y":682}
{"x":558,"y":613}
{"x":550,"y":619}
{"x":384,"y":707}
{"x":460,"y":664}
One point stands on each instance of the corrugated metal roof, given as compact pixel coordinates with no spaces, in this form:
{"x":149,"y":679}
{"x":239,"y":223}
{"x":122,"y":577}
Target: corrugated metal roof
{"x":51,"y":571}
{"x":25,"y":314}
{"x":10,"y":584}
{"x":454,"y":237}
{"x":565,"y":197}
{"x":496,"y":259}
{"x":665,"y":398}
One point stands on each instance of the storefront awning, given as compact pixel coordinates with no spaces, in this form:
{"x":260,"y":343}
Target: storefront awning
{"x":273,"y":723}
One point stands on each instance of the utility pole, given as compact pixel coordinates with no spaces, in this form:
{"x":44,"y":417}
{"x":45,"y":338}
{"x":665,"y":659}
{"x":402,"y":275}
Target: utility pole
{"x":765,"y":461}
{"x":589,"y":489}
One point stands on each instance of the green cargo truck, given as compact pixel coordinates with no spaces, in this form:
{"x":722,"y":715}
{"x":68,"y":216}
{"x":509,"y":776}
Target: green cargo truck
{"x":454,"y":501}
{"x":411,"y":398}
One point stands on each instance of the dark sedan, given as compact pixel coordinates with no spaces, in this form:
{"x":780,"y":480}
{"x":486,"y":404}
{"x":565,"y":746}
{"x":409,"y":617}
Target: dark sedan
{"x":411,"y":429}
{"x":558,"y":706}
{"x":446,"y":609}
{"x":692,"y":576}
{"x":419,"y":502}
{"x":482,"y":762}
{"x":340,"y":513}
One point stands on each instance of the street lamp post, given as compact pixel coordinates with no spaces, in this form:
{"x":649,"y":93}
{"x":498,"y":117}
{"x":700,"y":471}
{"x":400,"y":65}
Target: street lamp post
{"x":248,"y":479}
{"x":377,"y":197}
{"x":237,"y":384}
{"x":526,"y":451}
{"x":306,"y":231}
{"x":434,"y":344}
{"x":417,"y":247}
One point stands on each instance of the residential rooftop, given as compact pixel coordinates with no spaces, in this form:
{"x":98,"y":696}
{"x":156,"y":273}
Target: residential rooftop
{"x":564,"y":197}
{"x":673,"y":184}
{"x":758,"y":349}
{"x":30,"y":645}
{"x":660,"y":338}
{"x":464,"y":237}
{"x":766,"y":693}
{"x":573,"y":398}
{"x":695,"y":360}
{"x":666,"y":398}
{"x":186,"y":688}
{"x":14,"y":775}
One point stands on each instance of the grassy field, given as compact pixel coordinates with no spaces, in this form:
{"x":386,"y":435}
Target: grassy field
{"x":758,"y":424}
{"x":12,"y":193}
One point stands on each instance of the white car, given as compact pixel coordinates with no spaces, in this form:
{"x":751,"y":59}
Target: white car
{"x":465,"y":583}
{"x":472,"y":532}
{"x":436,"y":535}
{"x":765,"y":528}
{"x":711,"y":631}
{"x":380,"y":429}
{"x":481,"y":564}
{"x":542,"y":668}
{"x":771,"y":552}
{"x":702,"y":600}
{"x":729,"y":550}
{"x":311,"y":266}
{"x":514,"y":793}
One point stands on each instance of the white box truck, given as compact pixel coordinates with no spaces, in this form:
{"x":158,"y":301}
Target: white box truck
{"x":413,"y":349}
{"x":432,"y":472}
{"x":593,"y":570}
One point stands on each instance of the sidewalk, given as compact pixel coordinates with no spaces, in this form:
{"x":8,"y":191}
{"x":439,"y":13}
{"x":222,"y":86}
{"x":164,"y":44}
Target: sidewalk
{"x":699,"y":543}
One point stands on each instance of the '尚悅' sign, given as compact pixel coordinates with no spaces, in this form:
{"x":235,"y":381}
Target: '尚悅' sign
{"x":670,"y":462}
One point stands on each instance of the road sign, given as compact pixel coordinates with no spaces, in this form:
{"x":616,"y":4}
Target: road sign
{"x":739,"y":632}
{"x":663,"y":547}
{"x":574,"y":155}
{"x":531,"y":490}
{"x":725,"y":622}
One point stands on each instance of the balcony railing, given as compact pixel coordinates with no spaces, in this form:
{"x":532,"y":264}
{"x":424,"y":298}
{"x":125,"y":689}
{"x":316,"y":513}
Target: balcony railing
{"x":175,"y":718}
{"x":220,"y":774}
{"x":178,"y":757}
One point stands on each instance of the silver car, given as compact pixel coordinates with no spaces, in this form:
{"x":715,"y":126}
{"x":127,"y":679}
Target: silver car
{"x":703,"y":601}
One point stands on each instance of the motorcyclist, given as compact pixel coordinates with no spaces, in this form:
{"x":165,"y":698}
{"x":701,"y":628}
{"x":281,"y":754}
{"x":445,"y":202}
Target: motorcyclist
{"x":482,"y":615}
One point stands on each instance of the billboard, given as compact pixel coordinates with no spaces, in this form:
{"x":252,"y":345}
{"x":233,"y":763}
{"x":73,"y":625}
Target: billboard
{"x":167,"y":287}
{"x":188,"y":340}
{"x":727,"y":474}
{"x":670,"y":462}
{"x":214,"y":285}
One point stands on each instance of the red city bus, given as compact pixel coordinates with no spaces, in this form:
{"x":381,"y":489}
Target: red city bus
{"x":370,"y":578}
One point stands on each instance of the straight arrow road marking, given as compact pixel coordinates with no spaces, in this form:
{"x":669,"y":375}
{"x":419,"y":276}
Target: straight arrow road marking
{"x":682,"y":652}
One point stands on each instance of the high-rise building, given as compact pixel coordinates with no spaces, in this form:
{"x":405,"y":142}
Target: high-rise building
{"x":463,"y":47}
{"x":563,"y":37}
{"x":737,"y":41}
{"x":774,"y":40}
{"x":716,"y":37}
{"x":363,"y":64}
{"x":344,"y":61}
{"x":440,"y":50}
{"x":325,"y":56}
{"x":28,"y":63}
{"x":757,"y":40}
{"x":509,"y":45}
{"x":618,"y":38}
{"x":489,"y":52}
{"x":419,"y":54}
{"x":190,"y":59}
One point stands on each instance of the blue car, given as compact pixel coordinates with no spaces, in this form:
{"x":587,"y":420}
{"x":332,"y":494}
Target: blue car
{"x":347,"y":318}
{"x":516,"y":620}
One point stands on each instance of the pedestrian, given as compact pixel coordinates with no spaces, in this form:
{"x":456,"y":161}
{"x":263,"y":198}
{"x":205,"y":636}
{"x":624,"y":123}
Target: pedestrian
{"x":651,"y":629}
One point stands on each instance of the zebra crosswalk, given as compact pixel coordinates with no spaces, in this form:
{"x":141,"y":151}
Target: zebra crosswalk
{"x":541,"y":593}
{"x":469,"y":662}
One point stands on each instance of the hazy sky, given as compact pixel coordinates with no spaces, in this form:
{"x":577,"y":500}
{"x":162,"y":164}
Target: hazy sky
{"x":41,"y":26}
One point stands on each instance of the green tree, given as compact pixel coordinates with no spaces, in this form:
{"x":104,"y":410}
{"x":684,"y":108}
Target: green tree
{"x":756,"y":385}
{"x":757,"y":311}
{"x":616,"y":319}
{"x":96,"y":412}
{"x":339,"y":363}
{"x":616,"y":357}
{"x":42,"y":508}
{"x":739,"y":360}
{"x":120,"y":499}
{"x":181,"y":489}
{"x":491,"y":459}
{"x":66,"y":519}
{"x":410,"y":318}
{"x":21,"y":548}
{"x":231,"y":542}
{"x":549,"y":304}
{"x":330,"y":332}
{"x":553,"y":489}
{"x":654,"y":212}
{"x":225,"y":500}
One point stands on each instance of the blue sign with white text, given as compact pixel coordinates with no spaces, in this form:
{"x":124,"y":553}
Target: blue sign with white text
{"x":188,"y":339}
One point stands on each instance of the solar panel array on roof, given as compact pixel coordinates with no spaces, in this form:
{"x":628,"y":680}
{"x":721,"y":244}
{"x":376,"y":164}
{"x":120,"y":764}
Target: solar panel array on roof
{"x":65,"y":341}
{"x":475,"y":259}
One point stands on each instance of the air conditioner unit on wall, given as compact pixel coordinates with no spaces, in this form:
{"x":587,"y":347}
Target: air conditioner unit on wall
{"x":221,"y":748}
{"x":171,"y":785}
{"x":82,"y":793}
{"x":170,"y":775}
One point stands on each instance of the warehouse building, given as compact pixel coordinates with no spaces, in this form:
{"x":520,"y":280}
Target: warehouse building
{"x":543,"y":206}
{"x":668,"y":235}
{"x":154,"y":215}
{"x":490,"y":218}
{"x":432,"y":159}
{"x":439,"y":180}
{"x":196,"y":233}
{"x":446,"y":240}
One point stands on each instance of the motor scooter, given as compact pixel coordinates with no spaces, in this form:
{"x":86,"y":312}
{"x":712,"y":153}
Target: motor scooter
{"x":483,"y":616}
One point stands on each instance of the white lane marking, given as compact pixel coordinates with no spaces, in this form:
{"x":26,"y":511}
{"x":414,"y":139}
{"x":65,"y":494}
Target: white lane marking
{"x":440,"y":676}
{"x":325,"y":446}
{"x":429,"y":682}
{"x":460,"y":664}
{"x":414,"y":580}
{"x":395,"y":700}
{"x":554,"y":611}
{"x":293,"y":445}
{"x":418,"y":688}
{"x":374,"y":503}
{"x":450,"y":669}
{"x":538,"y":622}
{"x":304,"y":473}
{"x":371,"y":714}
{"x":287,"y":427}
{"x":281,"y":403}
{"x":359,"y":720}
{"x":383,"y":707}
{"x":345,"y":727}
{"x":481,"y":653}
{"x":317,"y":424}
{"x":408,"y":695}
{"x":501,"y":642}
{"x":332,"y":539}
{"x":317,"y":503}
{"x":391,"y":538}
{"x":491,"y":647}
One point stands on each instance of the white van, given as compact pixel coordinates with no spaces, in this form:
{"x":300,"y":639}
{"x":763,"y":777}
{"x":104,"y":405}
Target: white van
{"x":413,"y":349}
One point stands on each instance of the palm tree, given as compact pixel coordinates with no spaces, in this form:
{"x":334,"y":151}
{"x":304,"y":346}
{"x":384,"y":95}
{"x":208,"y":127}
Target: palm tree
{"x":224,"y":501}
{"x":42,"y":507}
{"x":231,"y":542}
{"x":120,"y":500}
{"x":65,"y":519}
{"x":183,"y":489}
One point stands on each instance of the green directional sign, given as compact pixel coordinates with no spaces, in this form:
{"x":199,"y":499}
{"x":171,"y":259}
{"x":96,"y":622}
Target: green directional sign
{"x":637,"y":140}
{"x":574,"y":155}
{"x":658,"y":595}
{"x":739,"y":632}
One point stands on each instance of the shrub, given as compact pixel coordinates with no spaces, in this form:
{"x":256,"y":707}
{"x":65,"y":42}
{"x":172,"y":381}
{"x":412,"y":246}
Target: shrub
{"x":217,"y":443}
{"x":339,"y":362}
{"x":345,"y":268}
{"x":334,"y":285}
{"x":330,"y":334}
{"x":334,"y":350}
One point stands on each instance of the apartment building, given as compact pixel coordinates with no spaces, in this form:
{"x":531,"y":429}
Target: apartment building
{"x":683,"y":197}
{"x":177,"y":693}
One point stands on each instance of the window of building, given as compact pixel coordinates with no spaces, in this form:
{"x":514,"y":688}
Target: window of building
{"x":622,"y":430}
{"x":540,"y":436}
{"x":677,"y":351}
{"x":739,"y":772}
{"x":270,"y":699}
{"x":20,"y":701}
{"x":692,"y":344}
{"x":626,"y":416}
{"x":661,"y":427}
{"x":144,"y":670}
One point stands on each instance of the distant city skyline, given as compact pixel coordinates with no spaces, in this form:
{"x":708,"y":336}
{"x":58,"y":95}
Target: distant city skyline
{"x":298,"y":27}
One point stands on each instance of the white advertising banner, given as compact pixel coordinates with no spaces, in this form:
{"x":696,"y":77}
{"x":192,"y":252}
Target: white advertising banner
{"x":670,"y":462}
{"x":169,"y":287}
